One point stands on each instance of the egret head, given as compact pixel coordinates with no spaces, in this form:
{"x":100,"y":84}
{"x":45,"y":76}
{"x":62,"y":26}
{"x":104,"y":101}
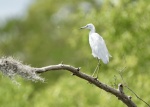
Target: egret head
{"x":89,"y":26}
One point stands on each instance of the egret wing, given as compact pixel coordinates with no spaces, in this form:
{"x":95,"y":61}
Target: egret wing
{"x":98,"y":47}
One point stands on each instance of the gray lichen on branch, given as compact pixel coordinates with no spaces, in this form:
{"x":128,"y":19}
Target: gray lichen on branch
{"x":11,"y":67}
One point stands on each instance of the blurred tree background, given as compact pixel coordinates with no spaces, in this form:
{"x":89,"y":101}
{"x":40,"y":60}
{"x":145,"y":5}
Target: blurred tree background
{"x":50,"y":34}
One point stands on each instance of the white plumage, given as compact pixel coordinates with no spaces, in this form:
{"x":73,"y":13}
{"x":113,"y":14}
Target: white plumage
{"x":97,"y":43}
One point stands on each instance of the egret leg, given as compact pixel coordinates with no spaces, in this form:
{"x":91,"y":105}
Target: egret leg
{"x":96,"y":69}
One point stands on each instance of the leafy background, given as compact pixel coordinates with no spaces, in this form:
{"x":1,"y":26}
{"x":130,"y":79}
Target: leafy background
{"x":50,"y":34}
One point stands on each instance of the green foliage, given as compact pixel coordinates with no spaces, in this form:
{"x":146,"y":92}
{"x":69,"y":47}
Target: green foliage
{"x":50,"y":34}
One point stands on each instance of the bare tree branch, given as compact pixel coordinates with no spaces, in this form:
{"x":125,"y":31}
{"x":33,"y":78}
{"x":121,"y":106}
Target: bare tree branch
{"x":11,"y":67}
{"x":76,"y":71}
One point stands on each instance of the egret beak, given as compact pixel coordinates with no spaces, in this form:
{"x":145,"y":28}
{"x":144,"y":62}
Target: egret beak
{"x":83,"y":27}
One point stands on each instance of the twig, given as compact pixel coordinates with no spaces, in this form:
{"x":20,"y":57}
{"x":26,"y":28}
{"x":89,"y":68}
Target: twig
{"x":137,"y":96}
{"x":120,"y":73}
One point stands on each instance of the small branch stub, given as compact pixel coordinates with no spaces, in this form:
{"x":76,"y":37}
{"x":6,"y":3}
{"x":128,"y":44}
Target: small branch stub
{"x":129,"y":97}
{"x":120,"y":88}
{"x":78,"y":69}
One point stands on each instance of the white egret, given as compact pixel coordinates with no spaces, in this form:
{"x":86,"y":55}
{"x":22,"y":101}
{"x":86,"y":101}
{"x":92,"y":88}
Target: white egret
{"x":98,"y":46}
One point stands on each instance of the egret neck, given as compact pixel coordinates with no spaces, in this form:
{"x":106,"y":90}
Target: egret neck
{"x":92,"y":30}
